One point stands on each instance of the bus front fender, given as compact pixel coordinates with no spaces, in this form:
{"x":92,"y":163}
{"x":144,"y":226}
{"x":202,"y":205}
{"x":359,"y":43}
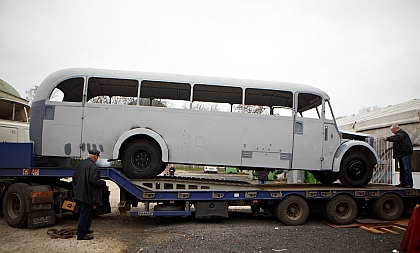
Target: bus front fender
{"x":350,"y":146}
{"x":141,"y":131}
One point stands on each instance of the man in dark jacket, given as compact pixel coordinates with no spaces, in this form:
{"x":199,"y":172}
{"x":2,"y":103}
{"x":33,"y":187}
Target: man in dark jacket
{"x":262,"y":176}
{"x":86,"y":184}
{"x":403,"y":150}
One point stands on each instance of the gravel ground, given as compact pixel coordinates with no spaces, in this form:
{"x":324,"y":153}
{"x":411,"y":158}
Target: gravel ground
{"x":244,"y":233}
{"x":241,"y":232}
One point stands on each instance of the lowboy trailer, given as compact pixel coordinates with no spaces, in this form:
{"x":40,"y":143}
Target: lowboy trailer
{"x":33,"y":194}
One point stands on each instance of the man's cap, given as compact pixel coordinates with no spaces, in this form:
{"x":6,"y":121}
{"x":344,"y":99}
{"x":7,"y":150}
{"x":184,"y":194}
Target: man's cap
{"x":94,"y":152}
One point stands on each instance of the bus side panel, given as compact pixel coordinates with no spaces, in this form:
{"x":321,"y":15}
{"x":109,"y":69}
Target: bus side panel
{"x":215,"y":138}
{"x":267,"y":141}
{"x":13,"y":131}
{"x":171,"y":124}
{"x":332,"y":141}
{"x":36,"y":125}
{"x":308,"y":144}
{"x":62,"y":126}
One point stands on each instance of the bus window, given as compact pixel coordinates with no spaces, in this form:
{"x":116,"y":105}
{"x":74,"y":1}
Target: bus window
{"x":328,"y":111}
{"x":282,"y":111}
{"x":263,"y":101}
{"x":70,"y":90}
{"x":165,"y":94}
{"x":216,"y":97}
{"x":112,"y":91}
{"x":14,"y":110}
{"x":309,"y":106}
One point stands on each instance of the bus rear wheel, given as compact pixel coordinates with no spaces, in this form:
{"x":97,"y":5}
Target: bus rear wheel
{"x":355,"y":170}
{"x":325,"y":177}
{"x":142,"y":159}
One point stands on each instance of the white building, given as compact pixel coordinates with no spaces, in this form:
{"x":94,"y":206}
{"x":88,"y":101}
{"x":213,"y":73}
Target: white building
{"x":377,"y":123}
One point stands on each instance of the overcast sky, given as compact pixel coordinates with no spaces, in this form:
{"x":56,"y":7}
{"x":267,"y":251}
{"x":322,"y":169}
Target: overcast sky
{"x":362,"y":53}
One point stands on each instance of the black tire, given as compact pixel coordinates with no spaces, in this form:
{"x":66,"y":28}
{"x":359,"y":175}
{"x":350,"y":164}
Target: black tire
{"x":388,"y":207}
{"x":292,"y":210}
{"x":325,"y":177}
{"x":15,"y":205}
{"x":142,"y":159}
{"x":341,"y":210}
{"x":162,"y":169}
{"x":355,"y":170}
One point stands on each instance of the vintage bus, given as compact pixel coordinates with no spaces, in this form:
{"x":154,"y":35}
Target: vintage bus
{"x":14,"y":115}
{"x":148,"y":120}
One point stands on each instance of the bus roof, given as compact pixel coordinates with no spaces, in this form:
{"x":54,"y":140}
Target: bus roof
{"x":50,"y":82}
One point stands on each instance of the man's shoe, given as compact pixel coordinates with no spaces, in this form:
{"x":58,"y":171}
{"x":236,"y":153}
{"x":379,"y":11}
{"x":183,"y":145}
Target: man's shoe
{"x":89,"y":231}
{"x":407,"y":186}
{"x":86,"y":237}
{"x":399,"y":185}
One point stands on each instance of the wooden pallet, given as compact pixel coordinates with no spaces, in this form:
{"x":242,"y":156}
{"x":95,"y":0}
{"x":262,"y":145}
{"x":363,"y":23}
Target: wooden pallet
{"x":380,"y":229}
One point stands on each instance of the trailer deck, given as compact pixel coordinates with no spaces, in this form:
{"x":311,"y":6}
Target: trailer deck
{"x":173,"y":196}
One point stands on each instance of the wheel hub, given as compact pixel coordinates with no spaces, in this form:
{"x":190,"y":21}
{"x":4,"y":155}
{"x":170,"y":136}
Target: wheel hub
{"x":14,"y":208}
{"x":293,"y":211}
{"x":356,"y":170}
{"x":389,"y":207}
{"x":343,"y":210}
{"x":141,"y":161}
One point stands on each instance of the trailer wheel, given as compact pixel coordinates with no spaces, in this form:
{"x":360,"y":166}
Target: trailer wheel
{"x":388,"y":207}
{"x":355,"y":170}
{"x":14,"y":205}
{"x":141,"y":159}
{"x":341,"y":210}
{"x":325,"y":177}
{"x":292,"y":210}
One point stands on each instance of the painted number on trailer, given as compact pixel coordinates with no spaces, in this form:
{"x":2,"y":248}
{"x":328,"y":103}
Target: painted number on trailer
{"x":33,"y":172}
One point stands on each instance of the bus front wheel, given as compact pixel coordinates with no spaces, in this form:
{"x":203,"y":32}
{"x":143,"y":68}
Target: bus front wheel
{"x":142,"y":159}
{"x":355,"y":170}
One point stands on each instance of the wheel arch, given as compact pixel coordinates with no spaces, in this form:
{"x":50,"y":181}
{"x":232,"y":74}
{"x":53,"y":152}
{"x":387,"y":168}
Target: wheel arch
{"x":139,"y":134}
{"x":351,"y":146}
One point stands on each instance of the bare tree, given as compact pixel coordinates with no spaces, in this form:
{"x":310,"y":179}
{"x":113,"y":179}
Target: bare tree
{"x":30,"y":94}
{"x":205,"y":106}
{"x":368,"y":109}
{"x":254,"y":109}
